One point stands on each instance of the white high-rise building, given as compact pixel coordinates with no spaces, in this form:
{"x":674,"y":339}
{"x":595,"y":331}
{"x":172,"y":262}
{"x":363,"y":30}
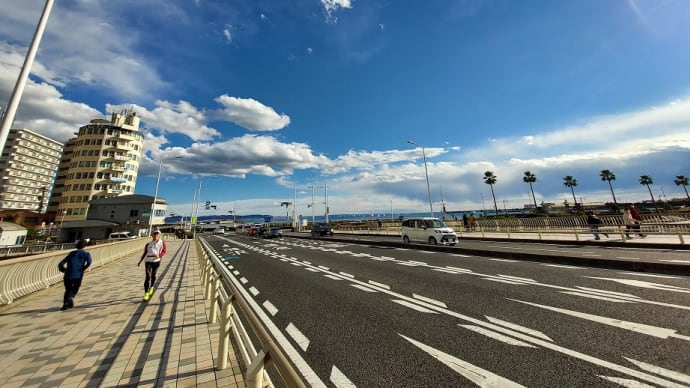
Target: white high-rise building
{"x":27,"y":170}
{"x":102,"y":161}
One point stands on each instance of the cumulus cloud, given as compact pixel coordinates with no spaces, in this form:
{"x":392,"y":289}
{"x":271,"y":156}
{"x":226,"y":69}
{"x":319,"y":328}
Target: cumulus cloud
{"x":331,"y":6}
{"x":250,"y":114}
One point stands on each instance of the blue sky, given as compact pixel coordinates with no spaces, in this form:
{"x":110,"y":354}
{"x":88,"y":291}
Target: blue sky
{"x":262,"y":99}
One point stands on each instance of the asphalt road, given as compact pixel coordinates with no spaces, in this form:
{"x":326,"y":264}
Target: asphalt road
{"x":376,"y":316}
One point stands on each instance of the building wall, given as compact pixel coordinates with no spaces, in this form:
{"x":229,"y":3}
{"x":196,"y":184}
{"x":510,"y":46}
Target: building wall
{"x":101,"y":162}
{"x":28,"y":165}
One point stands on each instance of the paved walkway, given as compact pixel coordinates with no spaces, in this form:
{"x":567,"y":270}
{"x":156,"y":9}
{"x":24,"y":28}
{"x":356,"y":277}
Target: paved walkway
{"x":110,"y":338}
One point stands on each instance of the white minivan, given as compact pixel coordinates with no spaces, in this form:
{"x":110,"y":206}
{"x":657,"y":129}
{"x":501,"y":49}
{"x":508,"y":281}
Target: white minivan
{"x":428,"y":230}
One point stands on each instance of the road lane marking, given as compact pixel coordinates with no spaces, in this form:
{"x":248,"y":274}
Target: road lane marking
{"x":497,"y":336}
{"x":627,"y":258}
{"x":310,"y":269}
{"x":363,"y":288}
{"x":661,"y":371}
{"x":505,"y":281}
{"x":562,"y":266}
{"x":517,"y":278}
{"x":516,"y":327}
{"x":333,"y":277}
{"x":273,"y":310}
{"x":628,"y":383}
{"x":324,"y":268}
{"x":413,"y":306}
{"x":651,"y":275}
{"x":339,"y":379}
{"x":254,"y":291}
{"x":475,"y":374}
{"x":597,"y":297}
{"x":430,"y":300}
{"x":377,"y":284}
{"x":653,"y":331}
{"x":605,"y":292}
{"x":644,"y":284}
{"x":301,"y":340}
{"x":505,"y":260}
{"x":347,"y":274}
{"x":244,"y":280}
{"x":677,"y":261}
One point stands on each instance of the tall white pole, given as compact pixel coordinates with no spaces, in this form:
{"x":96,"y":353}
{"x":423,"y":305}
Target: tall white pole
{"x":426,"y":172}
{"x":312,"y":204}
{"x":8,"y":118}
{"x":325,"y":194}
{"x":294,"y":212}
{"x":155,"y":197}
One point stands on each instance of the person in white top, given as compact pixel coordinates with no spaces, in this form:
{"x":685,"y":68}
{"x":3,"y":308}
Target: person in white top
{"x":154,"y":251}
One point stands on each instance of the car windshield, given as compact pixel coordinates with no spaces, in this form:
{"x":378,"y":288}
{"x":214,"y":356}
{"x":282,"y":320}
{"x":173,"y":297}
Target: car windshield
{"x":434,"y":224}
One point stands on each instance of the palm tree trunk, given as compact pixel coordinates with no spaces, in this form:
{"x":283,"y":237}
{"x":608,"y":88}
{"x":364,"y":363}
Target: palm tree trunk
{"x":493,"y":195}
{"x":650,"y":194}
{"x":574,"y":200}
{"x":614,"y":195}
{"x":533,"y":197}
{"x":686,"y":191}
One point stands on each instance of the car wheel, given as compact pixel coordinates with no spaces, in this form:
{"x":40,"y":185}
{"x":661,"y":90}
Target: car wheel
{"x":432,"y":241}
{"x":406,"y":239}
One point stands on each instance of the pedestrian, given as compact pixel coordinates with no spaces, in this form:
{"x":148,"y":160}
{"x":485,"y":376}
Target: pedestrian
{"x":473,"y":221}
{"x":593,"y":221}
{"x":154,"y":251}
{"x":465,"y":221}
{"x":73,"y":266}
{"x":629,"y":222}
{"x":638,"y":220}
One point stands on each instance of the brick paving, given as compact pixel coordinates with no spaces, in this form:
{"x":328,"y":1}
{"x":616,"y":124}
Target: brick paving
{"x":113,"y":339}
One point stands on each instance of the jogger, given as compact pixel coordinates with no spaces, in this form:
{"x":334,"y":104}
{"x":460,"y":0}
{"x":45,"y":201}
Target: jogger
{"x":154,"y":251}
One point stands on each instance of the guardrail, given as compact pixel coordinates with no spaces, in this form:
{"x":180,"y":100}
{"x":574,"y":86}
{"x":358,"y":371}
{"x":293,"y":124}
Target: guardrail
{"x":226,"y":296}
{"x":24,"y":275}
{"x":673,"y":228}
{"x":33,"y":249}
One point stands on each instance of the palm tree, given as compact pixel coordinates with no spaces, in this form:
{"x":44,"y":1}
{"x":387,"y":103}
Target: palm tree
{"x":608,"y":176}
{"x":490,"y":179}
{"x":646,"y":180}
{"x":531,"y":178}
{"x":571,"y":182}
{"x":682,"y":180}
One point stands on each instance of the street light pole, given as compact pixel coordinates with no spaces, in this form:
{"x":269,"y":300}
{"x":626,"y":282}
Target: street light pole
{"x":312,"y":204}
{"x":11,"y":109}
{"x":155,"y":195}
{"x":426,"y":172}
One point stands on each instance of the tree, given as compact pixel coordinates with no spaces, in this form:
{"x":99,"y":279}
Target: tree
{"x":490,"y":179}
{"x":608,"y":176}
{"x":531,"y":178}
{"x":646,"y":180}
{"x":682,"y":180}
{"x":571,"y":182}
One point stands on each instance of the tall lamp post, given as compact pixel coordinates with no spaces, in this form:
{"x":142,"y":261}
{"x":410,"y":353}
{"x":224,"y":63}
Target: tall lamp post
{"x":155,"y":195}
{"x":426,"y":172}
{"x":312,"y":204}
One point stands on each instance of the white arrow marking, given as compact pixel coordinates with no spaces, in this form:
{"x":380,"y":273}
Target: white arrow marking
{"x":628,"y":383}
{"x":644,"y":284}
{"x":475,"y":374}
{"x":339,"y":379}
{"x":413,"y":306}
{"x":497,"y":336}
{"x":519,"y":328}
{"x":301,"y":340}
{"x":661,"y":371}
{"x":653,"y":331}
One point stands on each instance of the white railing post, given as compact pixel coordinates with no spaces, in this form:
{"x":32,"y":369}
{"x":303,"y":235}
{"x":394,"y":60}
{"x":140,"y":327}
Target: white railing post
{"x":213,"y":317}
{"x":224,"y":334}
{"x":255,"y":371}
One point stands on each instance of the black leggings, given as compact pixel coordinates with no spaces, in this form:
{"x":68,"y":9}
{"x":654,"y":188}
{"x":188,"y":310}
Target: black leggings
{"x":71,"y":289}
{"x":151,"y":269}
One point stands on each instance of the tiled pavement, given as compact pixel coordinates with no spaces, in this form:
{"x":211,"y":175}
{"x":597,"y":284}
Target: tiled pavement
{"x":111,"y":338}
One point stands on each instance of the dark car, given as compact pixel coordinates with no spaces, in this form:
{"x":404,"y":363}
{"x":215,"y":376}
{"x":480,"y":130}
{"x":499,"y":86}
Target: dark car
{"x":321,"y":229}
{"x":272,"y":233}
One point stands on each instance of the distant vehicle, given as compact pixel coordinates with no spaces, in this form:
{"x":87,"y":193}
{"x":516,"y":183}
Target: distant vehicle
{"x":219,"y":231}
{"x":121,"y":236}
{"x":272,"y":233}
{"x":319,"y":229}
{"x":428,"y":230}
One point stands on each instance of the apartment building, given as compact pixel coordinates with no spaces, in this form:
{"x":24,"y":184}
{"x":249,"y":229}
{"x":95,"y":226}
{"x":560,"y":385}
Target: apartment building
{"x":102,"y":161}
{"x":28,"y":165}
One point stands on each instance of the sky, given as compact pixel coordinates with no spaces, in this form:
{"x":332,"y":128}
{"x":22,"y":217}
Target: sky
{"x":260,"y":102}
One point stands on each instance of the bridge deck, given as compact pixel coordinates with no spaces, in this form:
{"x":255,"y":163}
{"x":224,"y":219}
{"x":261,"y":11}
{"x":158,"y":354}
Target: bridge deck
{"x":111,"y":338}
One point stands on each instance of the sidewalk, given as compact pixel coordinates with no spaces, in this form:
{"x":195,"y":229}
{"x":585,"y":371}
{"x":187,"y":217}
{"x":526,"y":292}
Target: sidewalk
{"x":111,"y":338}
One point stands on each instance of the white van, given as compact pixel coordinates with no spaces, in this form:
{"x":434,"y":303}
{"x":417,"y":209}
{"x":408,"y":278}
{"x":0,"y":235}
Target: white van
{"x":121,"y":236}
{"x":428,"y":230}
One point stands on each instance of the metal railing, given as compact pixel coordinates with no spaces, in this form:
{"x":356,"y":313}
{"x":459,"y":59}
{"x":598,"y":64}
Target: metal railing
{"x":24,"y":275}
{"x":672,"y":227}
{"x":228,"y":302}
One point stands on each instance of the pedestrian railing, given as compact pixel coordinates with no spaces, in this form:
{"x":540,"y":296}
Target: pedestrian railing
{"x":670,"y":228}
{"x":24,"y":275}
{"x":230,"y":304}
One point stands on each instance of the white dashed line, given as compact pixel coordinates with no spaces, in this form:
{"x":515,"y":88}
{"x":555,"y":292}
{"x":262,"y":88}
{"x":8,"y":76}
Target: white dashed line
{"x":254,"y":291}
{"x":270,"y":308}
{"x":377,"y":284}
{"x":301,"y":340}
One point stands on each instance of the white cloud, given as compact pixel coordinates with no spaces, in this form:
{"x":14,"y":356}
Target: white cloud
{"x":250,"y":114}
{"x":228,"y":33}
{"x":331,"y":6}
